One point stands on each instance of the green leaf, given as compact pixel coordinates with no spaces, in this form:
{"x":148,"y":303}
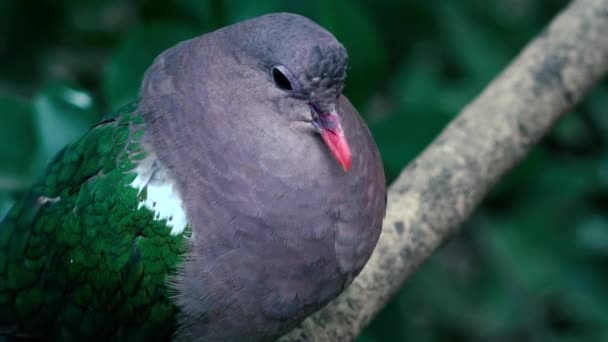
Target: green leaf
{"x":469,"y":44}
{"x":18,"y":144}
{"x":562,"y":183}
{"x":366,"y":336}
{"x":509,"y":187}
{"x":354,"y":27}
{"x":416,"y":84}
{"x":403,"y":135}
{"x":6,"y":203}
{"x":515,"y":240}
{"x":63,"y":113}
{"x":573,"y":132}
{"x":600,"y":174}
{"x":203,"y":10}
{"x":123,"y":75}
{"x":596,"y":104}
{"x":238,"y":10}
{"x":592,"y":234}
{"x":418,"y":117}
{"x":100,"y":16}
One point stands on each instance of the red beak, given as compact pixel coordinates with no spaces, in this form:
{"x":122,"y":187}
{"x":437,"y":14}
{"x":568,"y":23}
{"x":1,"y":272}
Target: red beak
{"x":328,"y":124}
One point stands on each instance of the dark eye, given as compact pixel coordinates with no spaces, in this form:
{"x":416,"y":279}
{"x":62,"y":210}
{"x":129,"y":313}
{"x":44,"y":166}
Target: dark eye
{"x":280,"y":80}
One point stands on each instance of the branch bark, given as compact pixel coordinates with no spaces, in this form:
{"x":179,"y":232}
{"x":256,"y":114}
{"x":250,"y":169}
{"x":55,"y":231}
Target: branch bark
{"x":439,"y":190}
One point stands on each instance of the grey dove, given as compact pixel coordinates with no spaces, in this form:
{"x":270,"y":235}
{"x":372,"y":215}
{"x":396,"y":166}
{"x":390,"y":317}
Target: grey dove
{"x":240,"y":193}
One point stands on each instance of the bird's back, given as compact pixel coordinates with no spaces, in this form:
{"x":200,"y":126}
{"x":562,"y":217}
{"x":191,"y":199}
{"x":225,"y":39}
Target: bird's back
{"x":81,"y":255}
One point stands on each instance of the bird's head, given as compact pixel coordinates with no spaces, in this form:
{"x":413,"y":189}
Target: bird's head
{"x":280,"y":73}
{"x":304,"y":69}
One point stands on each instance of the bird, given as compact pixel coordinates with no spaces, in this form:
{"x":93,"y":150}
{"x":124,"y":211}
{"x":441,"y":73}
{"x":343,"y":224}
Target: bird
{"x":238,"y":194}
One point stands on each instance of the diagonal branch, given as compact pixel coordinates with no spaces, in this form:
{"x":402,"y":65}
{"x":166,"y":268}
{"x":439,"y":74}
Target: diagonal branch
{"x":440,"y":189}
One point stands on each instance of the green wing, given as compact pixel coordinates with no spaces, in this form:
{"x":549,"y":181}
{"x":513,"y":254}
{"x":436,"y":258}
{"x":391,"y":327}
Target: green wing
{"x":78,"y":258}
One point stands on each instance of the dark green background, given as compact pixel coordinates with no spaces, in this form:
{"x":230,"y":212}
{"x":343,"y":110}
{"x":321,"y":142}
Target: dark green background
{"x":529,"y":266}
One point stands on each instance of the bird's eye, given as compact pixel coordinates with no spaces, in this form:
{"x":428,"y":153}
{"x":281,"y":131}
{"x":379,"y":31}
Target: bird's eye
{"x":280,"y":80}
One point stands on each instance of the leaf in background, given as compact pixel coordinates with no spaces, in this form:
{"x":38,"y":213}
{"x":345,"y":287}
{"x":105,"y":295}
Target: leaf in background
{"x":578,"y":303}
{"x":357,"y":30}
{"x":572,"y":132}
{"x":63,"y":113}
{"x":238,"y":10}
{"x":390,"y":325}
{"x":561,"y":184}
{"x":405,"y":132}
{"x":597,"y":105}
{"x":592,"y":234}
{"x":122,"y":77}
{"x":6,"y":203}
{"x":8,"y":16}
{"x":417,"y":84}
{"x":600,"y":176}
{"x":403,"y":135}
{"x":203,"y":10}
{"x":509,"y":187}
{"x":18,"y":144}
{"x":367,"y":337}
{"x":514,"y":242}
{"x":469,"y":46}
{"x":100,"y":17}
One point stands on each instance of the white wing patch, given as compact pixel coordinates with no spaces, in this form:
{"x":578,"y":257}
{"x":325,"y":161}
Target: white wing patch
{"x":162,"y":197}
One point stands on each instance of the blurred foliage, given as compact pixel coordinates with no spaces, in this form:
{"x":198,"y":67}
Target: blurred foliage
{"x":528,"y":265}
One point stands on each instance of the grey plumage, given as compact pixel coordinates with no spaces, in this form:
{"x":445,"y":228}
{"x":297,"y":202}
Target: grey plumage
{"x":279,"y":228}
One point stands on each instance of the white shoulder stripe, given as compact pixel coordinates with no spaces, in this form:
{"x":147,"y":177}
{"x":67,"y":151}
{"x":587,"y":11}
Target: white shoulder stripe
{"x":162,"y":197}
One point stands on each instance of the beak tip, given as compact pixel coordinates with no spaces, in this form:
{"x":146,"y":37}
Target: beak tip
{"x":346,"y":164}
{"x":330,"y":129}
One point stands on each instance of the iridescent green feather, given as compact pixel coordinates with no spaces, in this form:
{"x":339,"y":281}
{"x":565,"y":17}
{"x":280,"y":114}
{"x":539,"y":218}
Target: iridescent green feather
{"x":79,"y":259}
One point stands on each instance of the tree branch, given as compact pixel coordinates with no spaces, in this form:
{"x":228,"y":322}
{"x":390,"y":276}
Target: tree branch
{"x":439,"y":190}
